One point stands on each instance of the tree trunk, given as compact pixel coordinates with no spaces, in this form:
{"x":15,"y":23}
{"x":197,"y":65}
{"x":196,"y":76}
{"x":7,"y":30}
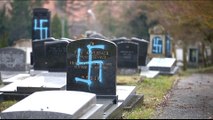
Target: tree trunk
{"x":211,"y":55}
{"x":174,"y":50}
{"x":202,"y":54}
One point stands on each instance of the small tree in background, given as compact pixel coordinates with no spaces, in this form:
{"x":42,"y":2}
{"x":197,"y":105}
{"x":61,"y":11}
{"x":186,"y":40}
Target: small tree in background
{"x":3,"y":29}
{"x":56,"y":27}
{"x":20,"y":22}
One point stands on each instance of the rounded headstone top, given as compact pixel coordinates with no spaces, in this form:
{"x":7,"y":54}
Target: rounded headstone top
{"x":119,"y":38}
{"x":94,"y":34}
{"x":158,"y":29}
{"x":138,"y":39}
{"x":66,"y":39}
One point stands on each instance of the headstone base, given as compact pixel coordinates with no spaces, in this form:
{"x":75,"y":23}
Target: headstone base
{"x":135,"y":100}
{"x":127,"y":71}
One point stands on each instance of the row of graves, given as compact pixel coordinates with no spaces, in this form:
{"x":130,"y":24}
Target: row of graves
{"x":132,"y":54}
{"x":70,"y":79}
{"x":77,"y":78}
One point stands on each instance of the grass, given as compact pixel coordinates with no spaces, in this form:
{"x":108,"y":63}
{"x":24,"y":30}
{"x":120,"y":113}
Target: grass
{"x":153,"y":91}
{"x":5,"y":104}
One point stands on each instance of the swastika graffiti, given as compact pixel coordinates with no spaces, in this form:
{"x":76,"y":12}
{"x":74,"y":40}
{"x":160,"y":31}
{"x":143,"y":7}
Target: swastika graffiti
{"x":168,"y":46}
{"x":157,"y":45}
{"x":90,"y":62}
{"x":39,"y":25}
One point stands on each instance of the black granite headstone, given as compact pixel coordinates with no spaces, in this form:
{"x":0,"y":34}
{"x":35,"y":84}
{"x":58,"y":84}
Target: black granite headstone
{"x":143,"y":47}
{"x":92,"y":66}
{"x":128,"y":55}
{"x":56,"y":55}
{"x":121,"y":39}
{"x":168,"y":49}
{"x":40,"y":23}
{"x":12,"y":59}
{"x":39,"y":57}
{"x":193,"y":55}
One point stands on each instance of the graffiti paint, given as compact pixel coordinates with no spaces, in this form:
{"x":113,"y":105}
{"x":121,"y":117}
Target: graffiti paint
{"x":90,"y":62}
{"x":39,"y":25}
{"x":157,"y":45}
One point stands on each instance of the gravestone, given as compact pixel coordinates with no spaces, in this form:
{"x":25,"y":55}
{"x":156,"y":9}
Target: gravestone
{"x":179,"y":56}
{"x":12,"y":59}
{"x":39,"y":56}
{"x":56,"y":55}
{"x":143,"y":47}
{"x":40,"y":24}
{"x":121,"y":39}
{"x":193,"y":57}
{"x":127,"y":57}
{"x":91,"y":67}
{"x":40,"y":27}
{"x":157,"y":46}
{"x":168,"y":47}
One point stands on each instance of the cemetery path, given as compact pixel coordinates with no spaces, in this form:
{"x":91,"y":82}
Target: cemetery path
{"x":190,"y":98}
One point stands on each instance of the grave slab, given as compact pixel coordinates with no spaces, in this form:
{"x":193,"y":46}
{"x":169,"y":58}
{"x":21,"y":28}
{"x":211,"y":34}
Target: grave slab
{"x":149,"y":73}
{"x":55,"y":105}
{"x":127,"y":95}
{"x":38,"y":82}
{"x":163,"y":65}
{"x":15,"y":78}
{"x":114,"y":112}
{"x":9,"y":74}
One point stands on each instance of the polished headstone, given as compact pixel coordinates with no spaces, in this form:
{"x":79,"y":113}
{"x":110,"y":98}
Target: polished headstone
{"x":143,"y":48}
{"x":128,"y":55}
{"x":39,"y":56}
{"x":56,"y":54}
{"x":92,"y":66}
{"x":118,"y":40}
{"x":40,"y":23}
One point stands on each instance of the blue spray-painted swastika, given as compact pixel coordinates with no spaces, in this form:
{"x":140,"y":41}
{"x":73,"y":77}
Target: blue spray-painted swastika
{"x":41,"y":28}
{"x":90,"y":62}
{"x":157,"y":45}
{"x":168,"y":46}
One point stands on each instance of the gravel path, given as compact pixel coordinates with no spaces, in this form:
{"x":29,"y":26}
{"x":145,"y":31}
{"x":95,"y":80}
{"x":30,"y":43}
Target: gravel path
{"x":191,"y":98}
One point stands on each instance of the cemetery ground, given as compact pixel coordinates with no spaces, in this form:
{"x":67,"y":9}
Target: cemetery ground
{"x":157,"y":92}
